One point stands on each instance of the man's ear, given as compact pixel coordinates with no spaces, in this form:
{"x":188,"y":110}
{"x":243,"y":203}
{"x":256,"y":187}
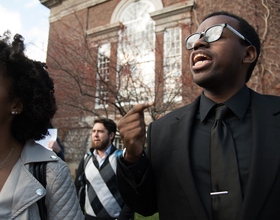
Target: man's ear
{"x":17,"y":106}
{"x":250,"y":54}
{"x":111,"y":135}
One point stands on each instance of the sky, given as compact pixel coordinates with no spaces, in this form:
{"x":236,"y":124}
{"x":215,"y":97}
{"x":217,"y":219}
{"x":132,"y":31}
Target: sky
{"x":30,"y":19}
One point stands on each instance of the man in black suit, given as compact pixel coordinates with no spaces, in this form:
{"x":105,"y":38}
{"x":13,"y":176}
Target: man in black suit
{"x":174,"y":175}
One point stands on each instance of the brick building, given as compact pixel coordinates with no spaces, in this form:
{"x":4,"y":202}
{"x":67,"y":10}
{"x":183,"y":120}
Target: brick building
{"x":107,"y":55}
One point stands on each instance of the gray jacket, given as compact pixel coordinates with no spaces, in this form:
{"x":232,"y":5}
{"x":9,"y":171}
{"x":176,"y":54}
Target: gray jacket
{"x":21,"y":191}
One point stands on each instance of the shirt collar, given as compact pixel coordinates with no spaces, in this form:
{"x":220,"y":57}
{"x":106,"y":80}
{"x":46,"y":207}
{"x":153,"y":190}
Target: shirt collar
{"x":107,"y":152}
{"x":238,"y":104}
{"x":205,"y":106}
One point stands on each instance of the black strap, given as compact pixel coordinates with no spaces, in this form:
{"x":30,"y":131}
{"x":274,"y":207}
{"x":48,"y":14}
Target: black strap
{"x":82,"y":181}
{"x":39,"y":172}
{"x":87,"y":160}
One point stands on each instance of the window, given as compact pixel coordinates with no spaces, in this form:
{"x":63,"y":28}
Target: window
{"x":119,"y":143}
{"x":102,"y":78}
{"x":172,"y":64}
{"x":136,"y":56}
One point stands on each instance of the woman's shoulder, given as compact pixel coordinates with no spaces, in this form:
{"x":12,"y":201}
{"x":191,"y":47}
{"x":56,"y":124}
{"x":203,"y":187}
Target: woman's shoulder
{"x":33,"y":152}
{"x":36,"y":153}
{"x":58,"y":167}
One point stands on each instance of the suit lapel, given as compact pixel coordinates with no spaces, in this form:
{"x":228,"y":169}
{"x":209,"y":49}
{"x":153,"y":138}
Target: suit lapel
{"x":181,"y":131}
{"x":265,"y":155}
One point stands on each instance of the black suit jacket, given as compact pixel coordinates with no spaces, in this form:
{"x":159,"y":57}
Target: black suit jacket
{"x":168,"y":186}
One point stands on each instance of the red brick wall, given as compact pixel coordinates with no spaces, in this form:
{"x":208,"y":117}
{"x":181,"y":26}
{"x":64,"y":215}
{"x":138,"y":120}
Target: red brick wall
{"x":263,"y":16}
{"x":100,"y":15}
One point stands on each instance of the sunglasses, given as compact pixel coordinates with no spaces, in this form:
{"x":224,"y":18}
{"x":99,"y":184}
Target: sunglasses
{"x":211,"y":34}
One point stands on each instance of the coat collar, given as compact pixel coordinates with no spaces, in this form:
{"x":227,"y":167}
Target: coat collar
{"x":33,"y":152}
{"x":21,"y":189}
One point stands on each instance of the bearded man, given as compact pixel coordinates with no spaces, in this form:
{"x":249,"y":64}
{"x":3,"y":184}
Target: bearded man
{"x":96,"y":176}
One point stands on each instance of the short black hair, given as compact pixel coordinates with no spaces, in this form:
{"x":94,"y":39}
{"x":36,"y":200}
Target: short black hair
{"x":109,"y":124}
{"x":31,"y":83}
{"x":247,"y":31}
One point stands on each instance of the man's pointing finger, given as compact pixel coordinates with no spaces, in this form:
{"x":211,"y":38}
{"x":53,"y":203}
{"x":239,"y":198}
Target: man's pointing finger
{"x":139,"y":108}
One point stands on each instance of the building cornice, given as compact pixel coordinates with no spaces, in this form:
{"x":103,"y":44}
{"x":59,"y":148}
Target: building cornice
{"x":109,"y":28}
{"x":62,"y":8}
{"x":50,"y":3}
{"x":109,"y":31}
{"x":165,"y":18}
{"x":172,"y":15}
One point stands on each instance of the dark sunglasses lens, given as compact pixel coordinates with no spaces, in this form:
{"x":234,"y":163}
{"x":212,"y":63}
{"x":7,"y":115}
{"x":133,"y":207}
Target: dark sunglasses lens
{"x":213,"y":33}
{"x":190,"y":41}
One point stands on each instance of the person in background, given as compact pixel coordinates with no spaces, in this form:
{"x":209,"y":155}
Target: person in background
{"x":57,"y":147}
{"x":27,"y":104}
{"x":100,"y":198}
{"x":219,"y":157}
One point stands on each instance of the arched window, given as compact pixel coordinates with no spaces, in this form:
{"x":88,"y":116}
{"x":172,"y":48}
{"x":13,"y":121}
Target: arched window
{"x":136,"y":53}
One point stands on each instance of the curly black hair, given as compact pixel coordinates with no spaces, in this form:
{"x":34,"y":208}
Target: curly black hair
{"x":247,"y":31}
{"x":31,"y":83}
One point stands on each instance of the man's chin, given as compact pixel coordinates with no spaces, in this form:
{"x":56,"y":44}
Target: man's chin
{"x":203,"y":79}
{"x":98,"y":147}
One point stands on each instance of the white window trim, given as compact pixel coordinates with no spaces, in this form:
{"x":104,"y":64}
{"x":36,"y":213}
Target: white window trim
{"x":106,"y":50}
{"x":124,"y":3}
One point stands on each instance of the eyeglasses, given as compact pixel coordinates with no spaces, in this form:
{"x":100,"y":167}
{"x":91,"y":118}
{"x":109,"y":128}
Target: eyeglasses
{"x":211,"y":34}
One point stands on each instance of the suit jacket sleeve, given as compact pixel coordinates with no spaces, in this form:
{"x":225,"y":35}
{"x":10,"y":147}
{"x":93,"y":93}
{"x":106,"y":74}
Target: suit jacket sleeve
{"x":138,"y":193}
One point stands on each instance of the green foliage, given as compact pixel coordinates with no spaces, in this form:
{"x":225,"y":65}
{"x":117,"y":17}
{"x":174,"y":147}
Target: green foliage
{"x":140,"y":217}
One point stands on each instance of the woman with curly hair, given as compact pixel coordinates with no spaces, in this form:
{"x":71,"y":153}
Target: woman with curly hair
{"x":27,"y":105}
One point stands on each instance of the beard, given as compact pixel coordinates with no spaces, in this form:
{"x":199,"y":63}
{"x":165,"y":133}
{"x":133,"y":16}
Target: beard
{"x":102,"y":145}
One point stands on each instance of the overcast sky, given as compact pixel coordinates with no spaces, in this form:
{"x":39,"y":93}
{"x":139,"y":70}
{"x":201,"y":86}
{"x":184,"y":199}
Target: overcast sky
{"x":30,"y":19}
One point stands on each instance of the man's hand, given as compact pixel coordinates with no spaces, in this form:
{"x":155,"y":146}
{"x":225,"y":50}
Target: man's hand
{"x":53,"y":145}
{"x":132,"y":129}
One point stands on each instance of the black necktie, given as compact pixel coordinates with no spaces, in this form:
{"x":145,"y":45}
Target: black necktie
{"x":226,"y":190}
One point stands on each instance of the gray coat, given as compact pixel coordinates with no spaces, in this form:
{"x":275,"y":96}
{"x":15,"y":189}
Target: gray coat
{"x":21,"y":191}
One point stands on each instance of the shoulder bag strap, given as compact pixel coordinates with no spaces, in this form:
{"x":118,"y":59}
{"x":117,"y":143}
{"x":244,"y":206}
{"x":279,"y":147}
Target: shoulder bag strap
{"x":39,"y":172}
